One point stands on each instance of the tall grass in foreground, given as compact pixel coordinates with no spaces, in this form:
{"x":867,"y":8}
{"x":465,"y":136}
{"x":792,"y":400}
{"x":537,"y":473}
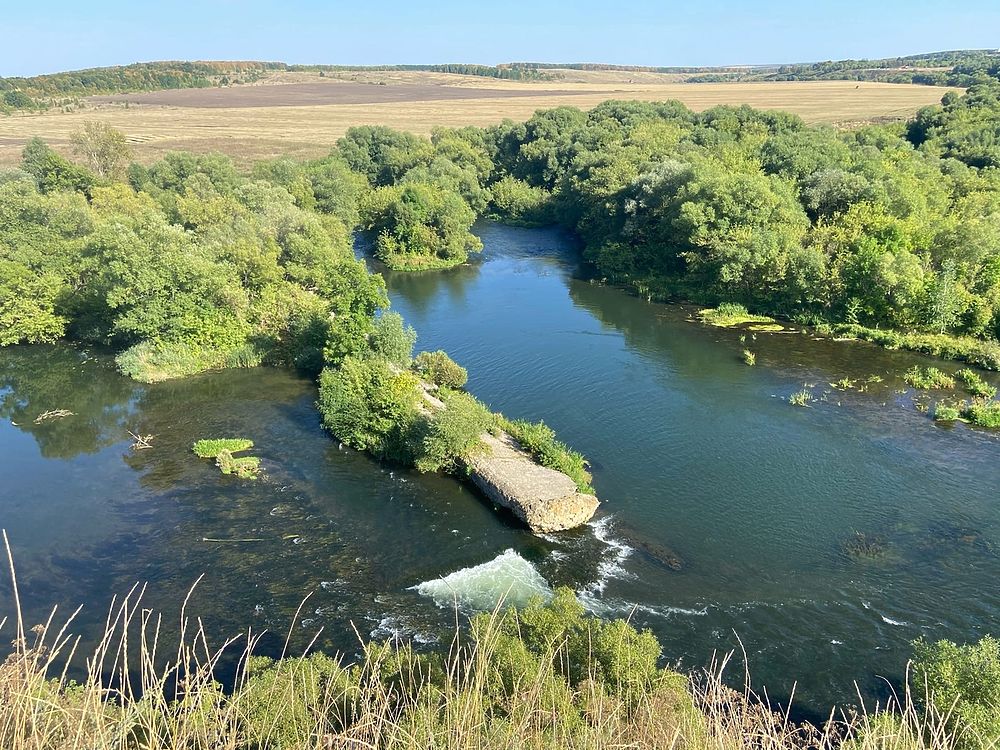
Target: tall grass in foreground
{"x":135,"y":698}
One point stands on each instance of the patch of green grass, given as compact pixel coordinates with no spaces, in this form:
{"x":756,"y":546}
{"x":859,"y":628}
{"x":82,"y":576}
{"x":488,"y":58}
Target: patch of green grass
{"x":801,"y":398}
{"x":844,"y":384}
{"x":975,"y":384}
{"x":749,"y":357}
{"x":766,"y":328}
{"x":538,"y":439}
{"x":730,"y":314}
{"x":213,"y":447}
{"x":928,"y":377}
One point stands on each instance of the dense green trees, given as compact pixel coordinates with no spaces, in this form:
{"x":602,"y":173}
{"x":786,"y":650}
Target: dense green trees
{"x":880,"y":226}
{"x":191,"y":265}
{"x":419,"y":225}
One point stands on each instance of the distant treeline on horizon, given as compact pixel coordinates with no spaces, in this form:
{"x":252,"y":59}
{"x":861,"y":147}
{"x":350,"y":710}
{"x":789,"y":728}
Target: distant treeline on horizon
{"x":951,"y":68}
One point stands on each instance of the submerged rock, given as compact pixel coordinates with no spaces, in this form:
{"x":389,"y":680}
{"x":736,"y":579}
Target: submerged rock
{"x":543,"y":498}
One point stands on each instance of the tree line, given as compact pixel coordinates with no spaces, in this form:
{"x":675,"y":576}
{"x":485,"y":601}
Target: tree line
{"x":884,"y":226}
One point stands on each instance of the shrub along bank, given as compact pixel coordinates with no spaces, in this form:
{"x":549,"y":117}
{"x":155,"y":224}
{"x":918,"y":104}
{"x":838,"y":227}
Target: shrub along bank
{"x":545,"y":676}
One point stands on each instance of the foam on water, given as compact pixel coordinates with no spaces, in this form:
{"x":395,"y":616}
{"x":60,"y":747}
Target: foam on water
{"x":508,"y":577}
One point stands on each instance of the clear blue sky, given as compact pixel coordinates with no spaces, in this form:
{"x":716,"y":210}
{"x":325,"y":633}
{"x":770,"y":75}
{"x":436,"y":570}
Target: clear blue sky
{"x":53,"y":35}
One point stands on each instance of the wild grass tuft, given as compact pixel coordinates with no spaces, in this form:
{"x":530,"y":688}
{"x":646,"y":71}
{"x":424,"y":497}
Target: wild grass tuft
{"x":801,"y":398}
{"x":749,"y":358}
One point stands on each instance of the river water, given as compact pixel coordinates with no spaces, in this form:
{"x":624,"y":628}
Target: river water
{"x":729,"y":517}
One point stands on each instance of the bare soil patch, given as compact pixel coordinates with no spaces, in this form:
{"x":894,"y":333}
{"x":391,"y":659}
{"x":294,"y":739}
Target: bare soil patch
{"x":317,"y":94}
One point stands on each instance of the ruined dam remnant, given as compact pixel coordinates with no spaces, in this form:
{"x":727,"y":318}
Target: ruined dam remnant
{"x":545,"y":499}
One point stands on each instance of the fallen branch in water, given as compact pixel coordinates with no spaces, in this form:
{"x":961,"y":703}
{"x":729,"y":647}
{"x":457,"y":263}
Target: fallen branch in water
{"x":141,"y":441}
{"x":54,"y":414}
{"x":234,"y":541}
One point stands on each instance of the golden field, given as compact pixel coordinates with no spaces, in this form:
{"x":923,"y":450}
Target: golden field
{"x":303,"y":114}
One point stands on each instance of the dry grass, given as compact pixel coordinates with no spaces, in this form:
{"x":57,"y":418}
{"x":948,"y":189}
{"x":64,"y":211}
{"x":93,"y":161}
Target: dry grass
{"x":250,"y":133}
{"x":134,"y":697}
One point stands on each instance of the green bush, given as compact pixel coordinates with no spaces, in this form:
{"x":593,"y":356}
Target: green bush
{"x":558,"y":637}
{"x":440,"y":369}
{"x":393,"y":339}
{"x":279,"y":701}
{"x":516,"y":202}
{"x":453,"y":433}
{"x":540,"y":441}
{"x":419,"y":225}
{"x":963,"y":683}
{"x":370,"y":405}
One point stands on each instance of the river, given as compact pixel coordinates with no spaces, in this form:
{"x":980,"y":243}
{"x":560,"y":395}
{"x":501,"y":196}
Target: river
{"x":728,"y":514}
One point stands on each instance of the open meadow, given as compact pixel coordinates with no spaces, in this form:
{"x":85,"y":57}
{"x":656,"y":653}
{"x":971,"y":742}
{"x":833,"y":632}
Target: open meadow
{"x":303,"y":114}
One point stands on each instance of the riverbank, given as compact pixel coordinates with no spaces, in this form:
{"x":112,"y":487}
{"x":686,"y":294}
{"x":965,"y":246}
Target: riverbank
{"x":543,"y":676}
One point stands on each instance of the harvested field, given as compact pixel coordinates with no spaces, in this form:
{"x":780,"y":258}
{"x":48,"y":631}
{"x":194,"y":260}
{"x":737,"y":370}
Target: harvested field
{"x":253,"y":122}
{"x":318,"y":94}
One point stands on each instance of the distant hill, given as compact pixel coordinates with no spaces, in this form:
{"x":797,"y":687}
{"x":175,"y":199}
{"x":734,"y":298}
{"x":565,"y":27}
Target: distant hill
{"x":952,"y":68}
{"x":39,"y":92}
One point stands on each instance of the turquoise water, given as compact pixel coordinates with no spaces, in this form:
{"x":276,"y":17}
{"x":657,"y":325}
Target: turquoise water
{"x":726,"y":512}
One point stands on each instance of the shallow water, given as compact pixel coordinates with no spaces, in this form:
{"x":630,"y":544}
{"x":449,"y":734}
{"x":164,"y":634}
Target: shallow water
{"x":727,"y":512}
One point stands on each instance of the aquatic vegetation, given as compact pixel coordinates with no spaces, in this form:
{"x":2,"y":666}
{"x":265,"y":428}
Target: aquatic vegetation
{"x":730,"y":314}
{"x":213,"y":447}
{"x":222,"y":450}
{"x":946,"y":412}
{"x":983,"y":413}
{"x":844,"y":384}
{"x":766,"y":328}
{"x":244,"y":467}
{"x":861,"y":544}
{"x":975,"y":384}
{"x":801,"y":398}
{"x":928,"y":377}
{"x":749,"y":357}
{"x":978,"y":352}
{"x":440,"y":369}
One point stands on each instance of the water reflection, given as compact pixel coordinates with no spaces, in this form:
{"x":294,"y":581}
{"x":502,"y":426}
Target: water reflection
{"x":40,"y":380}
